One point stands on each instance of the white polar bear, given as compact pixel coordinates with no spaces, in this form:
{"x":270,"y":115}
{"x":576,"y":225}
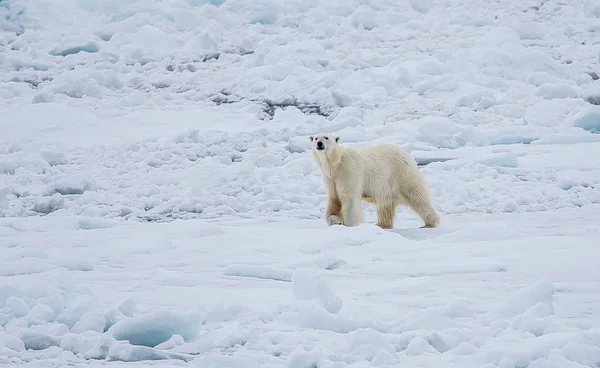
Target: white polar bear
{"x":383,"y":175}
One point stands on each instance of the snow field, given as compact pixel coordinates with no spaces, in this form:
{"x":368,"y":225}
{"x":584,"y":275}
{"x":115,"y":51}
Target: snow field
{"x":408,"y":76}
{"x":415,"y":301}
{"x":131,"y":52}
{"x":159,"y":203}
{"x":161,"y":175}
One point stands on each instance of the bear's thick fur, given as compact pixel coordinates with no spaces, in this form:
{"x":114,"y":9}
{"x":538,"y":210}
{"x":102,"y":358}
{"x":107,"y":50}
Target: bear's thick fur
{"x":383,"y":175}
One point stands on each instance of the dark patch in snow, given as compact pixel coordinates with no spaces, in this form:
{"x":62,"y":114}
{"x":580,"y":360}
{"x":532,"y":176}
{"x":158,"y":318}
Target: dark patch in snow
{"x":180,"y":68}
{"x":189,"y":64}
{"x":32,"y":82}
{"x":335,"y":265}
{"x":306,"y":108}
{"x":225,"y":97}
{"x":245,"y":52}
{"x":213,"y":56}
{"x":594,"y":100}
{"x":69,"y":190}
{"x":269,"y":106}
{"x":155,"y":218}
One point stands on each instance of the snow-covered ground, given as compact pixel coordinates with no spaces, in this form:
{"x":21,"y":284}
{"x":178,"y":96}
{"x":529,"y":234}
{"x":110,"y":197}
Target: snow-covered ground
{"x":159,"y":204}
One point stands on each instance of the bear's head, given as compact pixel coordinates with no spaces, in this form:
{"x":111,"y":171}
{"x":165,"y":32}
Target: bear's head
{"x":323,"y":143}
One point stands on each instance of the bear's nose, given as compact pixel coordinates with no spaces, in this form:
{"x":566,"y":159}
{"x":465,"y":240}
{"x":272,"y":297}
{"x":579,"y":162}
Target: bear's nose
{"x":320,"y":145}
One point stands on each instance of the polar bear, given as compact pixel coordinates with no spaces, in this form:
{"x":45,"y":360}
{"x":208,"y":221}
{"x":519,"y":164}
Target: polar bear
{"x":383,"y":175}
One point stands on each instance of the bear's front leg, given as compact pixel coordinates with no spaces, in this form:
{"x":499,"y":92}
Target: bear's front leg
{"x":334,"y":211}
{"x":334,"y":220}
{"x":333,"y":214}
{"x":352,"y":212}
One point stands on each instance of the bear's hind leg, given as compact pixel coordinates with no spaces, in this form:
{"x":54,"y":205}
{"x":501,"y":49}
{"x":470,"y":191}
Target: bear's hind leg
{"x":352,"y":211}
{"x":334,"y":211}
{"x":386,"y":212}
{"x":424,"y":209}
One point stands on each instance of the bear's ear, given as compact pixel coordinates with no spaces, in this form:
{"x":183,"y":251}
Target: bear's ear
{"x":337,"y":139}
{"x":311,"y":138}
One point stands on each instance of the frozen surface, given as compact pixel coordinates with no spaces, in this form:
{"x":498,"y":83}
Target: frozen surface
{"x":496,"y":289}
{"x":158,"y":201}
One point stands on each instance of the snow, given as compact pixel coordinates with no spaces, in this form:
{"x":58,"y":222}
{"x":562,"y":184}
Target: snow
{"x":362,"y":295}
{"x":159,"y":203}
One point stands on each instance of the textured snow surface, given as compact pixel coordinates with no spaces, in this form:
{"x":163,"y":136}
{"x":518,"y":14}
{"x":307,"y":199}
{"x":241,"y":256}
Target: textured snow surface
{"x":486,"y":291}
{"x":159,"y":202}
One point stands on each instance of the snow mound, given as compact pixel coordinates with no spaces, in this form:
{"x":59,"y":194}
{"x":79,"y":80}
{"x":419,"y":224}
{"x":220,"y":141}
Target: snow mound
{"x":444,"y":133}
{"x":591,"y":8}
{"x":525,"y":299}
{"x":421,"y":6}
{"x":308,"y":285}
{"x":552,"y":91}
{"x":75,"y":45}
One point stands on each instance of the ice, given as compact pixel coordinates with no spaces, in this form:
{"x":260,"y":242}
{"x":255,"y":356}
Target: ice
{"x":74,"y":46}
{"x":588,"y":119}
{"x":155,"y":328}
{"x":49,"y":204}
{"x":75,"y":310}
{"x":15,"y":307}
{"x":159,"y":203}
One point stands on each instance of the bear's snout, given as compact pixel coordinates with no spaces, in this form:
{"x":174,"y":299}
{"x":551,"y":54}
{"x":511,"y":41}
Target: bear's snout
{"x":320,"y":145}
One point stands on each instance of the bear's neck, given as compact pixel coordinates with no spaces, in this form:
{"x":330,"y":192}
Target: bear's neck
{"x":329,"y":162}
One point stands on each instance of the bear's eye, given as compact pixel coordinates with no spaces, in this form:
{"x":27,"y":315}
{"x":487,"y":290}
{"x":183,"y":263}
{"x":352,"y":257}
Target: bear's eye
{"x":326,"y":137}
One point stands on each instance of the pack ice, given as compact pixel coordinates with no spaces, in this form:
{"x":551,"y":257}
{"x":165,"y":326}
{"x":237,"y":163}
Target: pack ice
{"x":159,"y":204}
